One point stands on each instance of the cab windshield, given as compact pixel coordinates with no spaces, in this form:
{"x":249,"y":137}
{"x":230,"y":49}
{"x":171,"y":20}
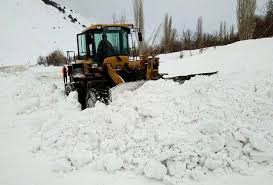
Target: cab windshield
{"x":114,"y":44}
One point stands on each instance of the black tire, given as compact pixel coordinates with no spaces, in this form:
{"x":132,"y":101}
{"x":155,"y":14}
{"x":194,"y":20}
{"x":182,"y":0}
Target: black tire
{"x":82,"y":98}
{"x":91,"y":98}
{"x":104,"y":95}
{"x":68,"y":89}
{"x":99,"y":94}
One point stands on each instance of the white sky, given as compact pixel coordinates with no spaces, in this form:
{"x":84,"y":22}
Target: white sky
{"x":185,"y":12}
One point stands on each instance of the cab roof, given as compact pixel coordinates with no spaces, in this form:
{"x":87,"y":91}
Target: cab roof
{"x":101,"y":26}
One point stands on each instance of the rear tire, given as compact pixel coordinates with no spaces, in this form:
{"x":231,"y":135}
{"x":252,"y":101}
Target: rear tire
{"x":68,"y":89}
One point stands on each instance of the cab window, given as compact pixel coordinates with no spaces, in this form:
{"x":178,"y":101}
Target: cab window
{"x":82,"y":49}
{"x":118,"y":39}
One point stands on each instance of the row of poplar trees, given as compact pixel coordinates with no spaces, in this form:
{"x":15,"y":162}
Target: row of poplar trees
{"x":249,"y":26}
{"x":167,"y":39}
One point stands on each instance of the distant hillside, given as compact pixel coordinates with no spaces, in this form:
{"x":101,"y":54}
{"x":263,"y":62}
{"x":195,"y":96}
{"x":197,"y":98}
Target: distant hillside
{"x":63,"y":10}
{"x":30,"y":28}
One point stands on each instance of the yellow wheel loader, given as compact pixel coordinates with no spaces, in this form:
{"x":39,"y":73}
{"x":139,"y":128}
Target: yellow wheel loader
{"x":105,"y":60}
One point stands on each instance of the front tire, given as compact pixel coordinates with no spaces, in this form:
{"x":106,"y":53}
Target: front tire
{"x":91,"y":98}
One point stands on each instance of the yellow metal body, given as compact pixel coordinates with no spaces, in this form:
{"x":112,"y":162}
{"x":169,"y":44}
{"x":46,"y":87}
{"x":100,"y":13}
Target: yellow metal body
{"x":115,"y":64}
{"x":95,"y":26}
{"x":85,"y":63}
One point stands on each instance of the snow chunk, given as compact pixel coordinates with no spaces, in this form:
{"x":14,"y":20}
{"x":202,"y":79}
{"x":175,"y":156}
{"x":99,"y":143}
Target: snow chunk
{"x":234,"y":152}
{"x":217,"y":144}
{"x":210,"y":127}
{"x":154,"y":169}
{"x":112,"y":163}
{"x":242,"y":166}
{"x":212,"y":164}
{"x":176,"y":168}
{"x":81,"y":156}
{"x":247,"y":149}
{"x":259,"y":142}
{"x":261,"y":156}
{"x":239,"y":136}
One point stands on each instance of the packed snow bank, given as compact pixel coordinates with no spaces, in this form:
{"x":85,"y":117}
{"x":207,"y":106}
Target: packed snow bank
{"x":207,"y":125}
{"x":242,"y":57}
{"x":30,"y":28}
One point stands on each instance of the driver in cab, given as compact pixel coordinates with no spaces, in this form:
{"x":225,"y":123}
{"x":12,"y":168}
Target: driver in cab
{"x":105,"y":48}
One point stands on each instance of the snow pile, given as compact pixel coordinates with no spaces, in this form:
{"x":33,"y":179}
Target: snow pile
{"x":30,"y":28}
{"x":207,"y":125}
{"x":196,"y":128}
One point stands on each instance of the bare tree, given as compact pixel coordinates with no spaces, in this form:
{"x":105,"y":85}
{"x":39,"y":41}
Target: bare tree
{"x":139,"y":20}
{"x":114,"y":17}
{"x":221,"y":32}
{"x":55,"y":58}
{"x":246,"y":18}
{"x":199,"y":33}
{"x":154,"y":35}
{"x":231,"y":32}
{"x":42,"y":61}
{"x":187,"y":39}
{"x":269,"y":10}
{"x":225,"y":30}
{"x":168,"y":34}
{"x":121,"y":20}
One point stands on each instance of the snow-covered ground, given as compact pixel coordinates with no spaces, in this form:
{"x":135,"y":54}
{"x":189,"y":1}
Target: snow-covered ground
{"x":29,"y":29}
{"x":242,"y":57}
{"x":209,"y":130}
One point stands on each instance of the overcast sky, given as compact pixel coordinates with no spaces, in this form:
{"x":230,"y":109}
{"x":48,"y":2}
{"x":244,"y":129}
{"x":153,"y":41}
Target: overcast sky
{"x":185,"y":12}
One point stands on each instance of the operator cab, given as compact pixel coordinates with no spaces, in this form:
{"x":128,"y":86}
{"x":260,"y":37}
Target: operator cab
{"x":90,"y":42}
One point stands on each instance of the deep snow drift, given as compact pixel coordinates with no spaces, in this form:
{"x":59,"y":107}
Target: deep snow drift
{"x":218,"y":125}
{"x":241,"y":57}
{"x":29,"y":28}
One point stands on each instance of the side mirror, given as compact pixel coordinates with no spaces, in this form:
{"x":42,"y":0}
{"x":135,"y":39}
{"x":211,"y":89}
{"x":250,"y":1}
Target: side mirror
{"x":140,"y":39}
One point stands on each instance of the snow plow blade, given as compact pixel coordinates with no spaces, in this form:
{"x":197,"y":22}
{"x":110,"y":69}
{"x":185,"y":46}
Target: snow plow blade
{"x":182,"y":79}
